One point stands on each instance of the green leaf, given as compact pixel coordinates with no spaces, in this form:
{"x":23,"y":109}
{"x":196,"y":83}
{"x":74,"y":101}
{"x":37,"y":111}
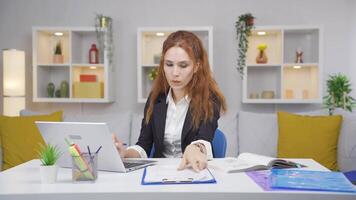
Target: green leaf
{"x":48,"y":154}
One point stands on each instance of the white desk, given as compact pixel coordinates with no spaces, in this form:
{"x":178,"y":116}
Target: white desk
{"x":23,"y":182}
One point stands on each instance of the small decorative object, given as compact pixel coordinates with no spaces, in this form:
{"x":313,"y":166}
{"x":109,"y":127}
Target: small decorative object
{"x":104,"y":34}
{"x":338,"y":89}
{"x":58,"y":93}
{"x":58,"y":57}
{"x":261,"y":57}
{"x":254,"y":95}
{"x":153,"y":74}
{"x":243,"y":29}
{"x":156,"y":58}
{"x":267,"y":94}
{"x":299,"y":56}
{"x":289,"y":94}
{"x":50,"y":89}
{"x":48,"y":156}
{"x":64,"y":89}
{"x":93,"y":55}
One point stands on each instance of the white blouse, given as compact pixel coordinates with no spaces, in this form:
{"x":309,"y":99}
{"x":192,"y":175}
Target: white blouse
{"x":176,"y":113}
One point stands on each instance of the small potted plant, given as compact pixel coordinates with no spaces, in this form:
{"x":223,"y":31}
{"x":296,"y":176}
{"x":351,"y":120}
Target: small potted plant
{"x":58,"y":57}
{"x":48,"y":155}
{"x":338,"y":89}
{"x":261,"y":56}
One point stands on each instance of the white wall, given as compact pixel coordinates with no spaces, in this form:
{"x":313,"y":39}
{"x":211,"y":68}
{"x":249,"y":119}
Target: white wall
{"x":18,"y":16}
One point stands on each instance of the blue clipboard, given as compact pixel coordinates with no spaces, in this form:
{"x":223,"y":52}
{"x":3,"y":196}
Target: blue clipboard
{"x":170,"y":182}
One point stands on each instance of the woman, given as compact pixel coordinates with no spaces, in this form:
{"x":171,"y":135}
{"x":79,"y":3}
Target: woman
{"x":181,"y":113}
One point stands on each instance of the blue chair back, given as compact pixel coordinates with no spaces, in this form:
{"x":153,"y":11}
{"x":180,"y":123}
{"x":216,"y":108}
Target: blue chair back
{"x":219,"y":145}
{"x":152,"y":151}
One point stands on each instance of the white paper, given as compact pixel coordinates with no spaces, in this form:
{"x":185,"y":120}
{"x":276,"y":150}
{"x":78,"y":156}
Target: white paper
{"x":169,"y":173}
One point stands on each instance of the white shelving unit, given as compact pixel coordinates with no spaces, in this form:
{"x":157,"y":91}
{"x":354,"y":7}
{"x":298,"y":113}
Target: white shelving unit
{"x":149,"y":47}
{"x":290,"y":82}
{"x":76,"y":42}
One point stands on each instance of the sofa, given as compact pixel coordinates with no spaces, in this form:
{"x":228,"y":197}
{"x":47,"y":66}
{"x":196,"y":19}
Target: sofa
{"x":245,"y":132}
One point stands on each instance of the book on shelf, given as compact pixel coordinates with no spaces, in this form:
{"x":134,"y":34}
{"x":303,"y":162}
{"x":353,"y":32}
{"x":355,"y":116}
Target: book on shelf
{"x":87,"y":78}
{"x":251,"y":162}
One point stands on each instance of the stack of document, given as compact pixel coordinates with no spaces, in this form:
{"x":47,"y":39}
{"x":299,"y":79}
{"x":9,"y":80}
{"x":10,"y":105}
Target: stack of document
{"x":168,"y":174}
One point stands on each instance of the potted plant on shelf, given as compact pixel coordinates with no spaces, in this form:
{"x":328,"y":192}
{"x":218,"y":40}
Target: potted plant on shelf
{"x":261,"y":56}
{"x":338,"y":89}
{"x":58,"y":57}
{"x":244,"y":25}
{"x":48,"y":155}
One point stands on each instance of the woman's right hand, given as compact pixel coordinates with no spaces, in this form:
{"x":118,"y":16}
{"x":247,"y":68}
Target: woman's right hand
{"x":119,"y":146}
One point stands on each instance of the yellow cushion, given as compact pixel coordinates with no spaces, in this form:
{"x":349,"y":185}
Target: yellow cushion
{"x":21,"y":138}
{"x":313,"y":137}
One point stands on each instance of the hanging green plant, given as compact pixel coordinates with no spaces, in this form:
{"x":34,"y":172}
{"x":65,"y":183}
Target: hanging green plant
{"x":338,"y":89}
{"x":243,"y":25}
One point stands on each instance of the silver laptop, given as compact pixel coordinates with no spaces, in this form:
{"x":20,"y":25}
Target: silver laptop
{"x":94,"y":135}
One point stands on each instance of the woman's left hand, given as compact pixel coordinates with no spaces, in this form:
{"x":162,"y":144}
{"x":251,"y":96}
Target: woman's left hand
{"x":194,"y":158}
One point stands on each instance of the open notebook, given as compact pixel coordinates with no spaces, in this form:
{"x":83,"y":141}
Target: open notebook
{"x":251,"y":162}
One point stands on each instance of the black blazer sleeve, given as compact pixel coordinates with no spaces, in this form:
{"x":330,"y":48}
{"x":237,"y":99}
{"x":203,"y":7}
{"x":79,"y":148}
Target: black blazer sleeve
{"x":205,"y":131}
{"x":145,"y":139}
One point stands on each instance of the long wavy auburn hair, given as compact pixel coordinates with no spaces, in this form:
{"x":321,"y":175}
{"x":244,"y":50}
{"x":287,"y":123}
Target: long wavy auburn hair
{"x":202,"y":89}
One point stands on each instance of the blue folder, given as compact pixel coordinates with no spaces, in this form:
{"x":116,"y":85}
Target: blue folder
{"x":351,"y":175}
{"x":177,"y":181}
{"x":311,"y":180}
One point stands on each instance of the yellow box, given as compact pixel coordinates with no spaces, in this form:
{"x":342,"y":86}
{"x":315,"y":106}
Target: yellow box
{"x":88,"y":90}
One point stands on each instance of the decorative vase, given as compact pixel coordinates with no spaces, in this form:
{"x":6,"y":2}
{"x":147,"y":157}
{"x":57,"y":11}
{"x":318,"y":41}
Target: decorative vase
{"x":261,"y":57}
{"x":64,"y":89}
{"x":48,"y":173}
{"x":267,"y":94}
{"x":50,"y":89}
{"x":58,"y":93}
{"x":57,"y":59}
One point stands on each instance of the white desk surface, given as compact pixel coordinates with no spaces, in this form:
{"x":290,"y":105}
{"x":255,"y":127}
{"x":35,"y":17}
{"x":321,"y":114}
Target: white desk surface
{"x":23,"y":182}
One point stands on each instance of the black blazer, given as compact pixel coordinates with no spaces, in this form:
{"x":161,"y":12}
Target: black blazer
{"x":153,"y":132}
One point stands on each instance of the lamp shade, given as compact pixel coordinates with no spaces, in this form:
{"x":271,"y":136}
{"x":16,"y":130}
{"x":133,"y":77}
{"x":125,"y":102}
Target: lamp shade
{"x":14,"y":81}
{"x":14,"y":73}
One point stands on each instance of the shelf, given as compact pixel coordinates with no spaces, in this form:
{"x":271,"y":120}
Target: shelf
{"x":282,"y":101}
{"x":46,"y":43}
{"x":262,"y":79}
{"x":54,"y":65}
{"x":68,"y":100}
{"x":150,"y":65}
{"x":301,"y":83}
{"x":51,"y":74}
{"x":273,"y":40}
{"x":290,"y":82}
{"x":264,"y":65}
{"x":307,"y":40}
{"x":97,"y":84}
{"x":81,"y":43}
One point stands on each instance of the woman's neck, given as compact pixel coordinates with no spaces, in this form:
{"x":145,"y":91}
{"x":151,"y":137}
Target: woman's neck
{"x":177,"y":95}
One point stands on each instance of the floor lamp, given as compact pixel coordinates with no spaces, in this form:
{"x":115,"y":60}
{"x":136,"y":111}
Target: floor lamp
{"x":14,"y":81}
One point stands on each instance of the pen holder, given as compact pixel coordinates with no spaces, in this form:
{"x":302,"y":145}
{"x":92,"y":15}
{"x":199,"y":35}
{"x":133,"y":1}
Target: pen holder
{"x":85,"y":167}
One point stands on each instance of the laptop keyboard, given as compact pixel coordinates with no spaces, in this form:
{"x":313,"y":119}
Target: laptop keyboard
{"x":132,"y":163}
